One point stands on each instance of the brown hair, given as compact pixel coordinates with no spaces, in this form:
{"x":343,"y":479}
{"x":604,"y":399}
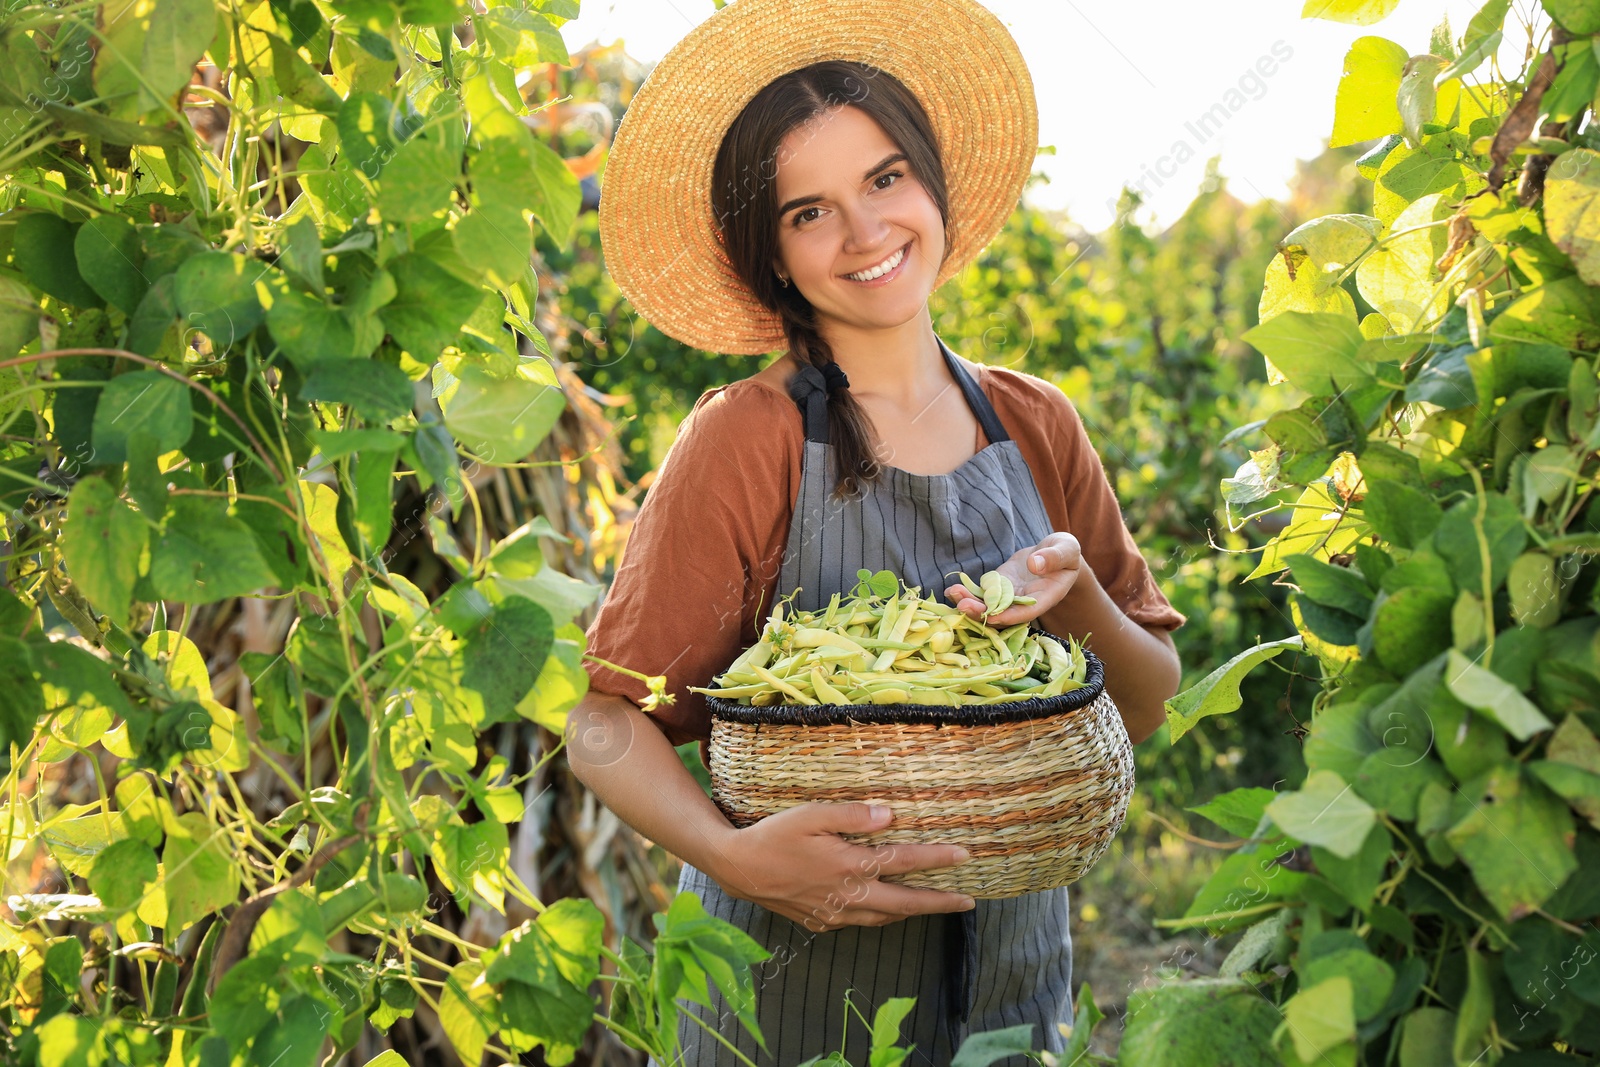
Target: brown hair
{"x":744,"y":199}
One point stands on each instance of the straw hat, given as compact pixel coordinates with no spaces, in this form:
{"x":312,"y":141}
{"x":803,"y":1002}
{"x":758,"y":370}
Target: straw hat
{"x":656,"y":223}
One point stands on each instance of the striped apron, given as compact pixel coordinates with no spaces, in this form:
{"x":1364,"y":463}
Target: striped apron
{"x":1004,"y":963}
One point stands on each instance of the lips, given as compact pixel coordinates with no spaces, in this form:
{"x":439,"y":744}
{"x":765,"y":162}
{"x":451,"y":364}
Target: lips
{"x":898,"y":258}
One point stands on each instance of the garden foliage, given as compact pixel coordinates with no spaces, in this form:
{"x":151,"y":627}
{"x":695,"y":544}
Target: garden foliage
{"x":1428,"y":893}
{"x":259,"y":262}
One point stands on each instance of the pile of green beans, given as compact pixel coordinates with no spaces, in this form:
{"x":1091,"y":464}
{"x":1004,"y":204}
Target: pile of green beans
{"x":896,"y":650}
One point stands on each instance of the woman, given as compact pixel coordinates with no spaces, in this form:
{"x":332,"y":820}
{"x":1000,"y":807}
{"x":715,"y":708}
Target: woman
{"x":799,"y":176}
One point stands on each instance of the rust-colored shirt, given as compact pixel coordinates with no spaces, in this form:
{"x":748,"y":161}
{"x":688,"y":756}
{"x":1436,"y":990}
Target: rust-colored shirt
{"x":698,"y":575}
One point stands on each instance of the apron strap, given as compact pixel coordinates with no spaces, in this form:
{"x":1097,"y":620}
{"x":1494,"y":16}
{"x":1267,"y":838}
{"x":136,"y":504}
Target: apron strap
{"x":809,"y":390}
{"x":976,"y":400}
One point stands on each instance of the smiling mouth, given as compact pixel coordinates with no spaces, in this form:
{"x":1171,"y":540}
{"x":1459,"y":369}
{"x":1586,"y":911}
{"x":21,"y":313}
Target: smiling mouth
{"x":888,"y":266}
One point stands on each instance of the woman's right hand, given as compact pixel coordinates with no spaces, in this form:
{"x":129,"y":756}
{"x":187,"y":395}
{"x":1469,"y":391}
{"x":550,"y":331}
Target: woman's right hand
{"x":796,"y":863}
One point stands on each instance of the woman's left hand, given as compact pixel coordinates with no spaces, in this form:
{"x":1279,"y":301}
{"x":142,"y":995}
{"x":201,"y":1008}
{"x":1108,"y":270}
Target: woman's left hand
{"x":1046,"y":572}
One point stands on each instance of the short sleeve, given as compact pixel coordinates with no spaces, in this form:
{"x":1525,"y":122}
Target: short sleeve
{"x":1096,"y":521}
{"x":683,"y":602}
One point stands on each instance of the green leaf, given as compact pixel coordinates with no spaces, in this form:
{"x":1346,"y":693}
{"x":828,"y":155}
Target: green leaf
{"x":504,"y":654}
{"x":1575,"y":16}
{"x":1411,"y":626}
{"x":1206,"y":1020}
{"x":1571,"y":211}
{"x":1327,"y":247}
{"x":179,"y":32}
{"x":200,"y":875}
{"x":43,"y":245}
{"x":69,"y":1040}
{"x":1426,"y":1035}
{"x":1283,"y":291}
{"x":417,"y":180}
{"x":1340,"y":740}
{"x":1354,"y":12}
{"x":1334,"y":587}
{"x":144,"y":401}
{"x":1398,"y":280}
{"x":1445,"y":379}
{"x":1574,"y":746}
{"x":19,"y":317}
{"x":120,"y":873}
{"x":978,"y":1050}
{"x":1084,"y":1020}
{"x":1232,"y":896}
{"x":1318,"y":527}
{"x":692,"y":947}
{"x":1218,"y":692}
{"x":1356,"y":877}
{"x":310,"y":332}
{"x":1237,"y":811}
{"x":430,"y":306}
{"x":468,"y":1010}
{"x":563,"y":681}
{"x":1457,"y":539}
{"x":110,"y":259}
{"x":1371,"y":979}
{"x":502,"y":420}
{"x":1515,"y":836}
{"x":1318,"y":352}
{"x":366,"y":132}
{"x":1494,"y":696}
{"x":1326,"y":812}
{"x":203,"y":554}
{"x":294,"y":1036}
{"x":1481,"y":40}
{"x":1321,"y":1018}
{"x":299,"y":82}
{"x":554,"y":959}
{"x":101,"y":541}
{"x":1402,"y":515}
{"x":473,"y":858}
{"x":1417,"y":99}
{"x":291,"y":929}
{"x":1365,"y":106}
{"x":376,"y":391}
{"x":1563,"y":311}
{"x":886,"y":1032}
{"x":152,"y":320}
{"x":21,"y":698}
{"x":216,"y":293}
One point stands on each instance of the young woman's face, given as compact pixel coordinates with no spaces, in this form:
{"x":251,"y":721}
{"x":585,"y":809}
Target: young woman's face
{"x":849,"y":204}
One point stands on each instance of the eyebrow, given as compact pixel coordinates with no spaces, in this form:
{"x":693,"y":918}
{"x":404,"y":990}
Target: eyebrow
{"x":801,"y":201}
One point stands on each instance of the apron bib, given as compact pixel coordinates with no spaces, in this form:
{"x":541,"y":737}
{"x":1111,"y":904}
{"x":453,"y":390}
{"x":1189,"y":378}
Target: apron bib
{"x":1004,"y":963}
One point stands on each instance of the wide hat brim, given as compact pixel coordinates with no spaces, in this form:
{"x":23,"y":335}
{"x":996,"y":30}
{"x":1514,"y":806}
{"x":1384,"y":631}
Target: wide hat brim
{"x":657,"y":229}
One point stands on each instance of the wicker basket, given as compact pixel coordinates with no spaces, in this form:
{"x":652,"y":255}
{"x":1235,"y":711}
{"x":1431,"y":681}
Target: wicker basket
{"x":1034,"y":789}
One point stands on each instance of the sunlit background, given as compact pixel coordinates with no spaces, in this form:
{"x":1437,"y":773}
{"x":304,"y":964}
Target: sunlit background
{"x":1122,"y":86}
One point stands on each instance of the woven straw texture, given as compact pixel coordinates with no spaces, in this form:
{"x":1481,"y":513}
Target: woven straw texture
{"x":656,"y":222}
{"x":1036,"y":802}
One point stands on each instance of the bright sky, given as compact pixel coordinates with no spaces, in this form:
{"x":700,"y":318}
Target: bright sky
{"x":1120,"y":85}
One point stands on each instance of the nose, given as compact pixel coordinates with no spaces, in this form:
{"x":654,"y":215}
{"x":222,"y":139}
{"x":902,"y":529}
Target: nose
{"x":865,"y":227}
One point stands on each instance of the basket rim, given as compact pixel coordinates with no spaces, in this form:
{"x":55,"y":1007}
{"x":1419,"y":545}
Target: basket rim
{"x":961,"y":715}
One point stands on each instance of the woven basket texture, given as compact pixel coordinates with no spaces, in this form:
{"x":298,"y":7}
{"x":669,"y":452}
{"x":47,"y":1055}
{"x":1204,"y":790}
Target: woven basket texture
{"x":1035,"y":801}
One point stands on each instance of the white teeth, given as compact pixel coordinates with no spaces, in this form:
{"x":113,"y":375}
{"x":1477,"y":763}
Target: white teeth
{"x":881,"y":269}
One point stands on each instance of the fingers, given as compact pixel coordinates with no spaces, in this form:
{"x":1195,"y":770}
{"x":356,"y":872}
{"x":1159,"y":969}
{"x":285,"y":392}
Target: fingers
{"x":847,"y":818}
{"x":1058,"y":551}
{"x":902,"y":858}
{"x":884,"y":903}
{"x":900,"y":901}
